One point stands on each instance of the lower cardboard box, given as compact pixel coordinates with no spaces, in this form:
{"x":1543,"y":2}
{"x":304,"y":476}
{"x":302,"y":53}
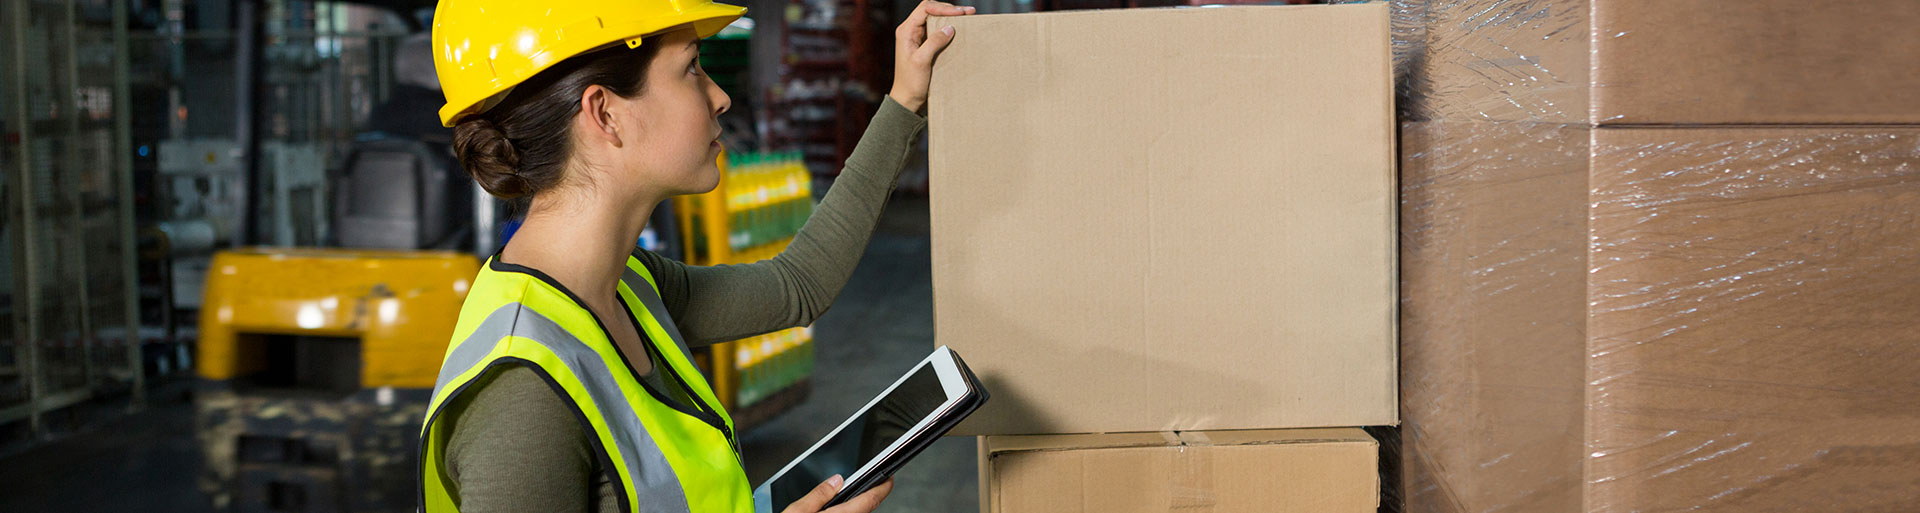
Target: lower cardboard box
{"x":1270,"y":471}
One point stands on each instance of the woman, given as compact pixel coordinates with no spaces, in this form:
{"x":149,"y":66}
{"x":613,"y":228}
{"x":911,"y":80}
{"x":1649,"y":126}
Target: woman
{"x":567,"y":385}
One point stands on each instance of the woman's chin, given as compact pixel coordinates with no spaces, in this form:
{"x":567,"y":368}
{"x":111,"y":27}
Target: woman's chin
{"x":709,"y":179}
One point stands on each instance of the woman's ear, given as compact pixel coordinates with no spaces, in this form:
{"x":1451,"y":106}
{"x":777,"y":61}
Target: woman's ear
{"x":596,"y":115}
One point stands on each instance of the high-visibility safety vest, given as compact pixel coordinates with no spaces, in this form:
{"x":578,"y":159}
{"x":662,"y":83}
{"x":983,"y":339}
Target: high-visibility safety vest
{"x":663,"y":455}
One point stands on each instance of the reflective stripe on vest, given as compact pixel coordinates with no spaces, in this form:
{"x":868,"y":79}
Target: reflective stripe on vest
{"x":655,"y":306}
{"x":664,"y":458}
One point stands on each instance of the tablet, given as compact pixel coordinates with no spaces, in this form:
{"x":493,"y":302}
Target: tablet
{"x":866,"y":449}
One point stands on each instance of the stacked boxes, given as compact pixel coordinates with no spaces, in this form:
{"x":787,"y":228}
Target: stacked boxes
{"x":1659,"y":256}
{"x":1304,"y":470}
{"x":1157,"y":239}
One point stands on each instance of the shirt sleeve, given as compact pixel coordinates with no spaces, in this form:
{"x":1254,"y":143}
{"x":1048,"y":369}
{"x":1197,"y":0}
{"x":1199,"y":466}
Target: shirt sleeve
{"x":516,"y":446}
{"x":727,"y":302}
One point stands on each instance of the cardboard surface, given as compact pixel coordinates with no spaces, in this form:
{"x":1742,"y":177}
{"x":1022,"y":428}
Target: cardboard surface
{"x":1756,"y":62}
{"x":1279,"y":471}
{"x":1660,"y":319}
{"x":1665,"y":62}
{"x":1153,"y":220}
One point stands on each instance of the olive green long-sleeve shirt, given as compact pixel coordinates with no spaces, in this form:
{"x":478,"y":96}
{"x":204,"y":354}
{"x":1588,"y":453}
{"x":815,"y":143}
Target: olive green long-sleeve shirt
{"x":515,"y":445}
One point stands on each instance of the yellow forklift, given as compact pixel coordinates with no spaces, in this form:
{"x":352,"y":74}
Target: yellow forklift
{"x":315,"y":364}
{"x":315,"y":367}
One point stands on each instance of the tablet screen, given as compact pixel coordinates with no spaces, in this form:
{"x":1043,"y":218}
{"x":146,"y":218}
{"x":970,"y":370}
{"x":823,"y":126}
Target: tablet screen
{"x":865,"y":437}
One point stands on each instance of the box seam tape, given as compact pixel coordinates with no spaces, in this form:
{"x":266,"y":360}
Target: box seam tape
{"x":1192,"y":481}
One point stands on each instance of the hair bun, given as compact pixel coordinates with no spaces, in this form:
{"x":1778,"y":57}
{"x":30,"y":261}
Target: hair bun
{"x":487,"y":155}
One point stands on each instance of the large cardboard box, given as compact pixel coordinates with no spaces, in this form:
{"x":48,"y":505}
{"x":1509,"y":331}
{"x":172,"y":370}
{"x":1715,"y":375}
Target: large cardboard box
{"x":1660,"y":319}
{"x":1161,"y":219}
{"x":1265,"y":471}
{"x":1667,"y":61}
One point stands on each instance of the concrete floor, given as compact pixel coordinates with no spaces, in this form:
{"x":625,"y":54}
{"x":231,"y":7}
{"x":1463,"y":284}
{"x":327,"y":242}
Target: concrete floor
{"x":881,"y":324}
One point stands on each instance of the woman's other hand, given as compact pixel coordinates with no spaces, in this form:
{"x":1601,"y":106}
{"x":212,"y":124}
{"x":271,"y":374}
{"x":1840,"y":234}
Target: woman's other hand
{"x":863,"y":503}
{"x":914,"y":50}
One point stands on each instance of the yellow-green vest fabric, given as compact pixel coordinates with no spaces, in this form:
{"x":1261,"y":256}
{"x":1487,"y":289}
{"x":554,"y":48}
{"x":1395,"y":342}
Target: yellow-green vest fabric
{"x":663,"y":455}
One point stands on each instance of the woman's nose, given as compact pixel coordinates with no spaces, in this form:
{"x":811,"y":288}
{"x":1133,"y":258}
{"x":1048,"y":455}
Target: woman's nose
{"x":721,"y":102}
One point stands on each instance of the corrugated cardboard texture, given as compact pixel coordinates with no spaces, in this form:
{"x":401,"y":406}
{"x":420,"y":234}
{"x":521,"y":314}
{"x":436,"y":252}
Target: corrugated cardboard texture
{"x":1756,"y":61}
{"x":1493,"y":258}
{"x":1664,"y":61}
{"x":1277,"y":471}
{"x":1753,"y":335}
{"x":1149,"y":220}
{"x":1737,"y":336}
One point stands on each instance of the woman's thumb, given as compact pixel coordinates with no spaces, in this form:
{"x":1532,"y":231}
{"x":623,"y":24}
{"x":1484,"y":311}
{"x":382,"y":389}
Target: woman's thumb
{"x":817,"y":499}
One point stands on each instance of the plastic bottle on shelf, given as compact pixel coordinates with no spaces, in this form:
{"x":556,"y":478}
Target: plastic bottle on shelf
{"x":748,"y":206}
{"x":770,"y":193}
{"x":738,"y":207}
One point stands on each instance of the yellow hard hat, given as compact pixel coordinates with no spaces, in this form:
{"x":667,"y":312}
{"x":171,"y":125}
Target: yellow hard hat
{"x":482,"y":48}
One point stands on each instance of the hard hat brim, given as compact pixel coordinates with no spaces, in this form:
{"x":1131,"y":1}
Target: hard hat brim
{"x":707,"y":20}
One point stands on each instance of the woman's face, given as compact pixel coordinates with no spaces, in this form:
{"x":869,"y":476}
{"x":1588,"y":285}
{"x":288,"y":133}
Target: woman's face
{"x":677,"y":113}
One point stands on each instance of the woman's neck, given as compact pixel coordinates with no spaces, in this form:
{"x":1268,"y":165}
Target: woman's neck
{"x":582,"y":244}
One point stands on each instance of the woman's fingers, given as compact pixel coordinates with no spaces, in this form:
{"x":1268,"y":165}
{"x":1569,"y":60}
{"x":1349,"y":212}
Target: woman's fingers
{"x":914,"y":30}
{"x":866,"y":501}
{"x":914,"y":49}
{"x":817,"y":498}
{"x":915,"y":20}
{"x":934,"y":45}
{"x":946,"y":9}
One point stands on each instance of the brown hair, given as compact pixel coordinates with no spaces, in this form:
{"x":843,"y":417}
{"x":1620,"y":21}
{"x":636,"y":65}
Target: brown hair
{"x":520,"y":147}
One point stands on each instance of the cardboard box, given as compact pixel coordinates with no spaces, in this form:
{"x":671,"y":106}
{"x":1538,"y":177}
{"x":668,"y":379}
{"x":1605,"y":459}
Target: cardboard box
{"x":1668,"y":62}
{"x":1160,"y":219}
{"x":1756,"y":62}
{"x":1660,"y":319}
{"x":1266,"y":471}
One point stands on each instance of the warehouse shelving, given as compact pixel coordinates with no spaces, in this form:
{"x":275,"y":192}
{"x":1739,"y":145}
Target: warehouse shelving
{"x":830,"y":70}
{"x":760,"y":203}
{"x":70,"y":329}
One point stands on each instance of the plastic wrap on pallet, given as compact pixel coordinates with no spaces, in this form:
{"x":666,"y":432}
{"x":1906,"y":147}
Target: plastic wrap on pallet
{"x":1756,"y":62}
{"x":1659,"y":319}
{"x":1492,"y":309}
{"x":1503,"y":60}
{"x":1659,"y":62}
{"x":1753,"y":298}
